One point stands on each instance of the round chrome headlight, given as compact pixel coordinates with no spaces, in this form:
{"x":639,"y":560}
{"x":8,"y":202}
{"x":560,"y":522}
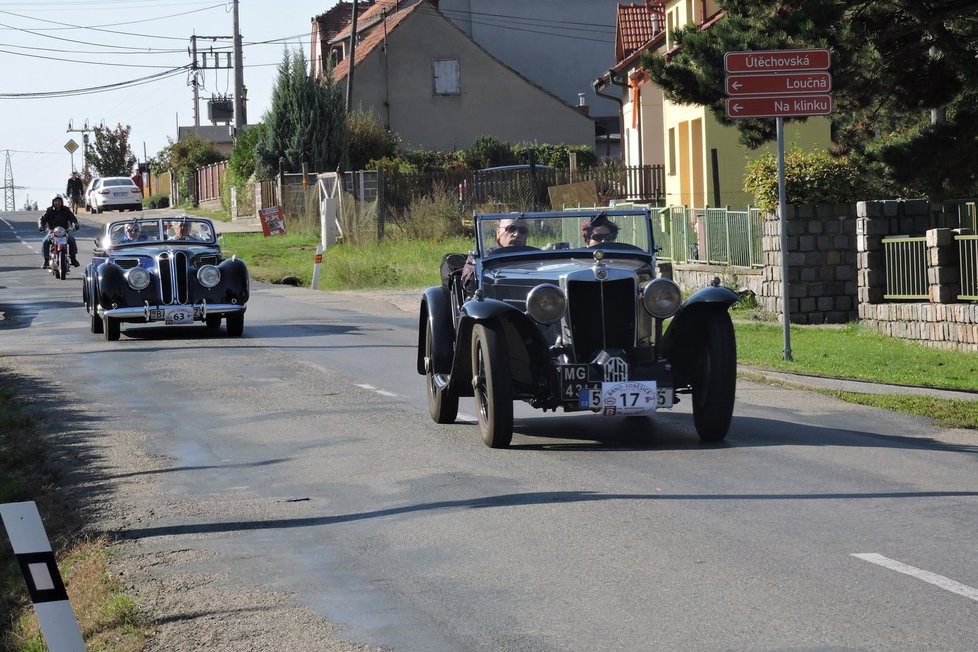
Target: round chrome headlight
{"x":137,"y":278}
{"x":209,"y":276}
{"x":662,"y":298}
{"x":546,"y":303}
{"x":59,"y":231}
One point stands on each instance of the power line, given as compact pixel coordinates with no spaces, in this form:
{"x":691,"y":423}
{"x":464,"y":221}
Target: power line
{"x":94,"y":63}
{"x":97,"y":89}
{"x":130,"y":22}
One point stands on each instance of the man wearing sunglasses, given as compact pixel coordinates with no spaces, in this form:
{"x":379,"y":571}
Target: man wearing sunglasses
{"x":599,"y":230}
{"x":510,"y":232}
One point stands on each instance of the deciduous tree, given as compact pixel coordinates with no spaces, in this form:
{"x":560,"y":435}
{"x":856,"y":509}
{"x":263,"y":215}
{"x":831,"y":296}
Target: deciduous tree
{"x":110,"y":154}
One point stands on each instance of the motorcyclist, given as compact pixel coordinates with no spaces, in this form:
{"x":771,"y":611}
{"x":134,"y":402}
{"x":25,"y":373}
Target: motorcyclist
{"x":57,"y":215}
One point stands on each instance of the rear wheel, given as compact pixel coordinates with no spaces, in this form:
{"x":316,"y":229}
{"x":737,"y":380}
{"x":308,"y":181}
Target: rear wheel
{"x":492,"y":385}
{"x":213,"y":321}
{"x":112,"y":329}
{"x":235,"y":324}
{"x":716,"y":383}
{"x":442,"y":403}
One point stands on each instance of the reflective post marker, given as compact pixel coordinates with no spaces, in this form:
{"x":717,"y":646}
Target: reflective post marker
{"x":316,"y":266}
{"x":33,"y":551}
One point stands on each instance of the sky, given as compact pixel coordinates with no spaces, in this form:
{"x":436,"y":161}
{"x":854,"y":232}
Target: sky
{"x":49,"y":47}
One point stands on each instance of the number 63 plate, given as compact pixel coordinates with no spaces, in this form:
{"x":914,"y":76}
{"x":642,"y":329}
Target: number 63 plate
{"x":627,"y":398}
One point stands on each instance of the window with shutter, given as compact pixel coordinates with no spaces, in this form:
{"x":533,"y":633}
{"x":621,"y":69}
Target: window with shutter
{"x":445,"y":76}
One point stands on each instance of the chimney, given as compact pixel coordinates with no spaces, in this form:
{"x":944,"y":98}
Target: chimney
{"x":582,"y":106}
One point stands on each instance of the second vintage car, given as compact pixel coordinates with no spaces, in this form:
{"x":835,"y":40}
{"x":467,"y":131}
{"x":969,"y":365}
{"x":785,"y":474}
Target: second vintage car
{"x":565,"y":310}
{"x":163,"y":270}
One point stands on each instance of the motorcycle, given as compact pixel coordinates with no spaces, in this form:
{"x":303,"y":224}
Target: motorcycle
{"x":58,"y":259}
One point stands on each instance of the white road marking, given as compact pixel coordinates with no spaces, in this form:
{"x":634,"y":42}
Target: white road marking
{"x":940,"y":581}
{"x":467,"y":418}
{"x":382,"y":392}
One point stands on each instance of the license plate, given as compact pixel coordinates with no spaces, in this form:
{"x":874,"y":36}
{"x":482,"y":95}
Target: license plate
{"x":574,"y":379}
{"x":627,"y":398}
{"x":175,"y":315}
{"x":60,"y":240}
{"x":118,"y":194}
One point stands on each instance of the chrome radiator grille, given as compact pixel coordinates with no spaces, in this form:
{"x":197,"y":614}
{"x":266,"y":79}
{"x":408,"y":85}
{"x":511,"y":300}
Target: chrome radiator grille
{"x":602,"y":316}
{"x":174,"y":267}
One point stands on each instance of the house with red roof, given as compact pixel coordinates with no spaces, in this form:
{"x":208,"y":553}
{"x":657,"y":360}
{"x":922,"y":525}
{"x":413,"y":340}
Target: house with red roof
{"x":433,"y":85}
{"x":704,"y":160}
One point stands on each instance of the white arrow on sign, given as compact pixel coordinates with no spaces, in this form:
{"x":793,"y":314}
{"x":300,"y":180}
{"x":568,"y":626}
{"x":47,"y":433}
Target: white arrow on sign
{"x":736,"y":85}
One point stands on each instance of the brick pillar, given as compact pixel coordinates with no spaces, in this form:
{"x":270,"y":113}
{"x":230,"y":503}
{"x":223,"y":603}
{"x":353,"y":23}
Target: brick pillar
{"x":943,"y":280}
{"x":871,"y":227}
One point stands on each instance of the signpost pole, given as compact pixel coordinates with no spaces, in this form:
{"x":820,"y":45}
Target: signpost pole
{"x":783,"y":224}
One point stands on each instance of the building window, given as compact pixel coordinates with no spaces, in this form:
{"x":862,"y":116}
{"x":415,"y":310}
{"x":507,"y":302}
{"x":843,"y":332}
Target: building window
{"x":445,"y":76}
{"x":690,"y":18}
{"x":672,"y":151}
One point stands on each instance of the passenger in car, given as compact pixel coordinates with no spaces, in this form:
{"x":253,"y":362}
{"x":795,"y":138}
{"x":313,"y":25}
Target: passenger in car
{"x":598,"y":230}
{"x":182,"y":231}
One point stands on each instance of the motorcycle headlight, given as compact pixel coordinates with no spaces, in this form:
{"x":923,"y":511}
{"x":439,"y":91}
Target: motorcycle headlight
{"x":137,"y":278}
{"x":546,"y":303}
{"x":209,"y":276}
{"x":662,"y":298}
{"x":59,"y":231}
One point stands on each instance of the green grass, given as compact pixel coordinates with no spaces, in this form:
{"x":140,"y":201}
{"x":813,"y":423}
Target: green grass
{"x":386,"y":265}
{"x":947,"y":413}
{"x":855,"y":352}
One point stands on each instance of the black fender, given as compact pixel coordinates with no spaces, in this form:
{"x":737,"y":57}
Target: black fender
{"x":234,"y":280}
{"x":523,"y":340}
{"x":682,"y":338}
{"x":436,"y":310}
{"x":111,"y":282}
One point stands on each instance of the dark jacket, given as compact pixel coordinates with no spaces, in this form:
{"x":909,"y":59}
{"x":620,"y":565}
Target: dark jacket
{"x":75,"y":187}
{"x":56,"y":217}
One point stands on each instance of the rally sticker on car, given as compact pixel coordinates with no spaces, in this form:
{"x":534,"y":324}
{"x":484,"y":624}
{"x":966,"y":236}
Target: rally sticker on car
{"x":627,"y":398}
{"x":175,"y":315}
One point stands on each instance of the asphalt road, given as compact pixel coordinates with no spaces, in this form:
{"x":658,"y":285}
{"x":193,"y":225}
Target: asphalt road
{"x":301,"y":459}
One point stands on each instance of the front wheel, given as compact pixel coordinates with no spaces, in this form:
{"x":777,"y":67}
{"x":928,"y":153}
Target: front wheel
{"x":492,"y":385}
{"x":62,"y":271}
{"x":213,"y":321}
{"x":235,"y":324}
{"x":716,"y":379}
{"x":442,"y":403}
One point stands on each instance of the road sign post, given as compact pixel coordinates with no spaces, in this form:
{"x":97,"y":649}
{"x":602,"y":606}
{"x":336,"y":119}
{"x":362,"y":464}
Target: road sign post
{"x":779,"y":84}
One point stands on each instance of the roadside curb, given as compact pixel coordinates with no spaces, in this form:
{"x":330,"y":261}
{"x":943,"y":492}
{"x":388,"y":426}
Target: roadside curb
{"x":855,"y":386}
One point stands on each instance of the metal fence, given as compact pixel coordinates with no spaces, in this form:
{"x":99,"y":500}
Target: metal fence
{"x":968,"y":266}
{"x":714,"y":236}
{"x":906,"y":268}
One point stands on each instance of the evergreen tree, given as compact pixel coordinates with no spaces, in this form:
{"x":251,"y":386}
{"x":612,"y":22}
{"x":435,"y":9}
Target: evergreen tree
{"x":110,"y":154}
{"x":306,"y":122}
{"x":892,"y":63}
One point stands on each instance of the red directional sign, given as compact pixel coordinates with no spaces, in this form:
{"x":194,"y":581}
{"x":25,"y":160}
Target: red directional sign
{"x":777,"y":60}
{"x":779,"y":84}
{"x":779,"y":106}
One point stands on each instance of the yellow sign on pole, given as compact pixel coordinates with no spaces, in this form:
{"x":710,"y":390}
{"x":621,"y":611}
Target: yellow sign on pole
{"x":71,"y":146}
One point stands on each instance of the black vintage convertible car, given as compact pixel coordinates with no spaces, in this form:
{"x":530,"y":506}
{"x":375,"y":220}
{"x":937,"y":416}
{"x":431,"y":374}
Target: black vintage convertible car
{"x":163,"y":270}
{"x":565,"y":310}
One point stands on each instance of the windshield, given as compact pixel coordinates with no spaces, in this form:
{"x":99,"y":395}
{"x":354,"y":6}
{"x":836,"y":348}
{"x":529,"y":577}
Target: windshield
{"x":611,"y":229}
{"x":170,"y":231}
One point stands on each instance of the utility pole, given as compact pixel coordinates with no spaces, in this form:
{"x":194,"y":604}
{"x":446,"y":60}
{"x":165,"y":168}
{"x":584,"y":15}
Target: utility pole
{"x":240,"y":118}
{"x":193,"y":79}
{"x":9,"y":196}
{"x":353,"y":58}
{"x":84,"y":131}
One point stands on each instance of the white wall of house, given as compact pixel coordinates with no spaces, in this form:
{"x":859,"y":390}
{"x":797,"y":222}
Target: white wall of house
{"x":399,"y":85}
{"x":562,"y":45}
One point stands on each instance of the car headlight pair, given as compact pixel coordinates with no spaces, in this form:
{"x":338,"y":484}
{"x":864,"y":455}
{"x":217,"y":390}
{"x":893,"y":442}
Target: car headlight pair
{"x":138,"y":278}
{"x":661,"y":298}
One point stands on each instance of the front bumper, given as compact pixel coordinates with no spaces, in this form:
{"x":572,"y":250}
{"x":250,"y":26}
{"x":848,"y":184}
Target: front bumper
{"x":148,"y":313}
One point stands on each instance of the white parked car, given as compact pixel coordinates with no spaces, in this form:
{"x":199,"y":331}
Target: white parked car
{"x":114,"y":193}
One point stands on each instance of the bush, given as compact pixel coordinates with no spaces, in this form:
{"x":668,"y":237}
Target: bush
{"x":810,"y":177}
{"x":369,"y":140}
{"x":434,"y":217}
{"x":157,"y":201}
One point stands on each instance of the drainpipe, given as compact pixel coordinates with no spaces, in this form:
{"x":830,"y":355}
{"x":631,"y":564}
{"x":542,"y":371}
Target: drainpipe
{"x":599,"y":85}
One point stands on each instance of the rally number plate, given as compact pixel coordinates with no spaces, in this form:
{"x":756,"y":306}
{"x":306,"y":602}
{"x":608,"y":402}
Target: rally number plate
{"x":627,"y":398}
{"x":175,"y":315}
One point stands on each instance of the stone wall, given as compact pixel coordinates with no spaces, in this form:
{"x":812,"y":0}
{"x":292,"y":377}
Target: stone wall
{"x":821,"y":264}
{"x":942,"y":321}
